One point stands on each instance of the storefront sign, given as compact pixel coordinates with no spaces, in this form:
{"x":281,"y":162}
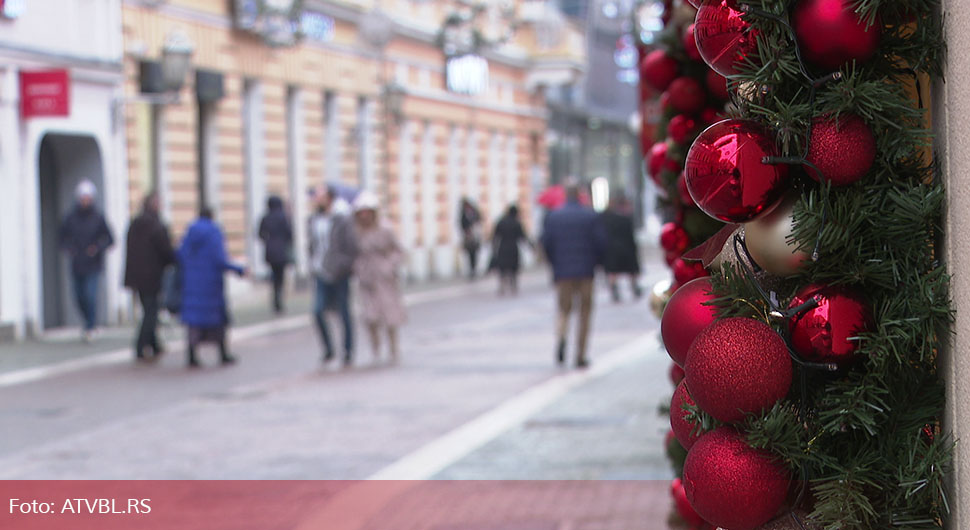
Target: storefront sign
{"x":45,"y":93}
{"x":467,"y":74}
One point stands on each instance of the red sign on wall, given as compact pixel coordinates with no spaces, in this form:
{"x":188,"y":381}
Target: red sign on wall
{"x":45,"y":93}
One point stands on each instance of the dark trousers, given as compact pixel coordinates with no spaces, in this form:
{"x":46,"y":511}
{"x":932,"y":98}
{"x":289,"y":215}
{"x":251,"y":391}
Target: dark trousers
{"x":278,"y":275}
{"x":472,"y":252}
{"x":147,"y":332}
{"x":86,"y":296}
{"x":334,"y":296}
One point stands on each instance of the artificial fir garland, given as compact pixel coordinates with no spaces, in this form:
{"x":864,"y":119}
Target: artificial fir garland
{"x":861,"y":442}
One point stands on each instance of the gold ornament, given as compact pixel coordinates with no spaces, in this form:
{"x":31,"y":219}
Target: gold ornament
{"x":659,"y":296}
{"x":767,"y":241}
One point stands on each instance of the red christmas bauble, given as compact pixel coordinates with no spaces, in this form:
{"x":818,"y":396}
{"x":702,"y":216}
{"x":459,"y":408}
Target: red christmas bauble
{"x":686,"y":271}
{"x":685,"y":431}
{"x":690,"y":44}
{"x":658,"y":162}
{"x":823,"y":334}
{"x":732,"y":485}
{"x":685,"y":317}
{"x":681,"y":127}
{"x":685,"y":198}
{"x":726,"y":175}
{"x":664,"y":100}
{"x":676,"y":373}
{"x":831,"y":34}
{"x":658,"y":69}
{"x":737,"y":366}
{"x":673,"y":237}
{"x":710,"y":116}
{"x":843,"y":149}
{"x":671,"y":256}
{"x":717,"y":85}
{"x":684,"y":509}
{"x":724,"y":38}
{"x":687,"y":96}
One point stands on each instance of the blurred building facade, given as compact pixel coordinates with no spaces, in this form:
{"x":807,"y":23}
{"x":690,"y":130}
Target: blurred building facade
{"x":61,"y":84}
{"x":226,"y":102}
{"x":363,"y":97}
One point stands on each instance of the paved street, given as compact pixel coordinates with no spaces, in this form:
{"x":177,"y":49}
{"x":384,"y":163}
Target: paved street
{"x":476,"y":396}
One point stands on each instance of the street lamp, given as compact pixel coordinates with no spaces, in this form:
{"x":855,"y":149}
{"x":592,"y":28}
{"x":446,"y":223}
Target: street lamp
{"x":176,"y":59}
{"x":394,"y":95}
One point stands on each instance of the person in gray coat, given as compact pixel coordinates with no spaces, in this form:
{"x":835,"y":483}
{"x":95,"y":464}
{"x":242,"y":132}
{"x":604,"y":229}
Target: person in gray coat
{"x":333,"y":249}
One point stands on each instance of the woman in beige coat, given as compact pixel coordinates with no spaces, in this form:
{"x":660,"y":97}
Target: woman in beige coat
{"x":376,"y":267}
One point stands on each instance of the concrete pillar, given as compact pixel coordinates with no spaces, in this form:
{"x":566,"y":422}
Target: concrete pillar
{"x":952,"y":107}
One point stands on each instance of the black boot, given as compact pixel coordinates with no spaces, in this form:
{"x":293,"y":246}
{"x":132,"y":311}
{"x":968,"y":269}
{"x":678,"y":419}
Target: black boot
{"x":193,"y":360}
{"x":224,"y":356}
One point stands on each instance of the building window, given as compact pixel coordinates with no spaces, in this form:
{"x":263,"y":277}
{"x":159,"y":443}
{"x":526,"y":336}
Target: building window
{"x":364,"y":152}
{"x":331,"y":136}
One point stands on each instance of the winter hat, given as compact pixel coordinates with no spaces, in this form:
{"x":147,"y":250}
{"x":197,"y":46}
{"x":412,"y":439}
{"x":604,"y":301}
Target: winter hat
{"x":86,"y":189}
{"x":366,"y":200}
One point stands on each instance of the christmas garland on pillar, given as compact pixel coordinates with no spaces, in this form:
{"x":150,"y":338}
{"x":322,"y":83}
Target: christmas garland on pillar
{"x":812,"y":397}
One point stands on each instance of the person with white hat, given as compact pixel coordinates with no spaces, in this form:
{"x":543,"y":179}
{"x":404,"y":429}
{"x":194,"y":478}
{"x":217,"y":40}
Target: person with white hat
{"x":85,"y":237}
{"x":379,"y":257}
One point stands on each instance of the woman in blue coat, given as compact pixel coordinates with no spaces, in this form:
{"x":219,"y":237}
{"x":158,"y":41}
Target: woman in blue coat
{"x":203,"y":261}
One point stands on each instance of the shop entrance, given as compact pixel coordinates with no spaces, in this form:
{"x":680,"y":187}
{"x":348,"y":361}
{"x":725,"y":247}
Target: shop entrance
{"x":64,"y":161}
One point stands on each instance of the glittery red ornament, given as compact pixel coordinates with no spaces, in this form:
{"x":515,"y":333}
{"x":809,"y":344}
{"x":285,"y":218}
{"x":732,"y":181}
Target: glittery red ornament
{"x":686,"y":271}
{"x":843,"y":149}
{"x":676,"y":373}
{"x":724,"y":38}
{"x":726,"y":175}
{"x":658,"y":162}
{"x":681,"y":128}
{"x":687,"y":96}
{"x":831,"y":34}
{"x":690,"y":44}
{"x":732,"y":485}
{"x":685,"y":431}
{"x":658,"y":69}
{"x":685,"y":316}
{"x":717,"y":85}
{"x":684,"y":193}
{"x":822,"y":334}
{"x":737,"y":366}
{"x":684,"y":509}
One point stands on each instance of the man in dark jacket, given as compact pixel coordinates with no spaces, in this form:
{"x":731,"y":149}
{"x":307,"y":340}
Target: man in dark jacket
{"x":85,"y":237}
{"x":333,"y":249}
{"x":149,"y":251}
{"x":277,"y":235}
{"x":574,"y":241}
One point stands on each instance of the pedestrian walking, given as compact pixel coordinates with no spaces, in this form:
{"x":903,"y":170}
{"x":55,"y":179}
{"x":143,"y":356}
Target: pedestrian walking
{"x":333,"y":250}
{"x":376,"y":269}
{"x":574,"y":241}
{"x":203,"y":262}
{"x":276,"y":232}
{"x":506,"y":237}
{"x":148,"y":252}
{"x":85,"y":237}
{"x":622,"y":256}
{"x":471,"y":234}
